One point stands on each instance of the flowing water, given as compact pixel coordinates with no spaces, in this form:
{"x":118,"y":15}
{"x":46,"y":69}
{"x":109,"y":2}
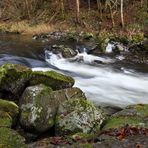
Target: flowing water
{"x":109,"y":83}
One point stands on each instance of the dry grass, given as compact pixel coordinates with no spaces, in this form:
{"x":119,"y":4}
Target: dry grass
{"x":24,"y":28}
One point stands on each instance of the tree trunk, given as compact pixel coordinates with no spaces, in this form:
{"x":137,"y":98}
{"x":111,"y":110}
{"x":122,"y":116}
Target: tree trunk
{"x":99,"y":8}
{"x":77,"y":10}
{"x":88,"y":5}
{"x":111,"y":14}
{"x":62,"y":8}
{"x":122,"y":18}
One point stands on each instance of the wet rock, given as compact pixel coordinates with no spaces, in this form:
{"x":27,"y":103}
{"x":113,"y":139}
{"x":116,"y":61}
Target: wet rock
{"x":10,"y":107}
{"x":38,"y":110}
{"x":76,"y":116}
{"x":13,"y":78}
{"x":11,"y":139}
{"x":133,"y":116}
{"x":5,"y":119}
{"x":64,"y":50}
{"x":52,"y":79}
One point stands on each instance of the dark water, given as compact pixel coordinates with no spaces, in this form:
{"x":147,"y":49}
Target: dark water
{"x":116,"y":82}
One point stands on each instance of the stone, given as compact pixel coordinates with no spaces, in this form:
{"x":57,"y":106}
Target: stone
{"x":38,"y":110}
{"x":10,"y":107}
{"x":78,"y":116}
{"x":13,"y":78}
{"x":64,"y":50}
{"x":39,"y":105}
{"x":52,"y":79}
{"x":11,"y":139}
{"x":5,"y":119}
{"x":133,"y":116}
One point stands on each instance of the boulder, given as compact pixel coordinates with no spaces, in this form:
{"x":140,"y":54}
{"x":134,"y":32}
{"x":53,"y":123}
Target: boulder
{"x":133,"y":116}
{"x":78,"y":116}
{"x":38,"y":110}
{"x":13,"y":78}
{"x":52,"y":79}
{"x":11,"y":139}
{"x":64,"y":50}
{"x":39,"y":105}
{"x":5,"y":119}
{"x":10,"y":107}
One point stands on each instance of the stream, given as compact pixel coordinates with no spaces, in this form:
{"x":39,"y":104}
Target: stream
{"x":113,"y":83}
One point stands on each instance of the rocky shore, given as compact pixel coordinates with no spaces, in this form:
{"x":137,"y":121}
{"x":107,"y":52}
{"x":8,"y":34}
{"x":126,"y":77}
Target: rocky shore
{"x":44,"y":110}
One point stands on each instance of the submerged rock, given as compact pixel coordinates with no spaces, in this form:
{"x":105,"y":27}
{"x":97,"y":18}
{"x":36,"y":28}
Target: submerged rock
{"x":133,"y":116}
{"x":13,"y":78}
{"x":76,"y":116}
{"x":52,"y":79}
{"x":11,"y":139}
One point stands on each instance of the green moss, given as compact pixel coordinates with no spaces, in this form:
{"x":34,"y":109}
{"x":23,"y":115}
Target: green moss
{"x":86,"y":145}
{"x":53,"y":79}
{"x":5,"y":119}
{"x":9,"y":107}
{"x":117,"y":122}
{"x":13,"y":78}
{"x":140,"y":109}
{"x":11,"y":139}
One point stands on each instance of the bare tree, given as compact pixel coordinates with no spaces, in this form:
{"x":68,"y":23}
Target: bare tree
{"x":121,"y":11}
{"x":77,"y":10}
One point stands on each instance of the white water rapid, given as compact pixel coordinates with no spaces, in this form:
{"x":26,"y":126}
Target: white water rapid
{"x":103,"y":85}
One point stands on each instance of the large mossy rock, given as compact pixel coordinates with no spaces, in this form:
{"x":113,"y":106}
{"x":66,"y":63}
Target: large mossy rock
{"x":13,"y":78}
{"x":11,"y":139}
{"x":52,"y":79}
{"x":133,"y":116}
{"x":37,"y":108}
{"x":10,"y":107}
{"x":78,"y":116}
{"x":5,"y":119}
{"x":39,"y":105}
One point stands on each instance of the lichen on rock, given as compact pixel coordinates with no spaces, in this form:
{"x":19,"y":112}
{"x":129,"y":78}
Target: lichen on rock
{"x":78,"y":115}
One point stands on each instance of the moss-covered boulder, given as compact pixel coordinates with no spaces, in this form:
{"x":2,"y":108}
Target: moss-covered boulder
{"x":38,"y":110}
{"x":78,"y":116}
{"x":67,"y":94}
{"x":133,"y":116}
{"x":13,"y":78}
{"x":52,"y":79}
{"x":5,"y":119}
{"x":11,"y":139}
{"x":10,"y":107}
{"x":64,"y":50}
{"x":39,"y":105}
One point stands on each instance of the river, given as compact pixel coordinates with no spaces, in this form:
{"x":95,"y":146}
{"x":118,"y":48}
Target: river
{"x":113,"y":83}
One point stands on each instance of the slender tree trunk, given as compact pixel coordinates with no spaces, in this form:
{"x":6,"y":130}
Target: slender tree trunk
{"x":28,"y":11}
{"x":89,"y":5}
{"x":99,"y":8}
{"x":122,"y":18}
{"x":62,"y":8}
{"x":111,"y":14}
{"x":77,"y":10}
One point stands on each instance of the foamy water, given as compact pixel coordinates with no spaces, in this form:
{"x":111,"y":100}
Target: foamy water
{"x":102,"y":85}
